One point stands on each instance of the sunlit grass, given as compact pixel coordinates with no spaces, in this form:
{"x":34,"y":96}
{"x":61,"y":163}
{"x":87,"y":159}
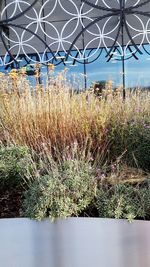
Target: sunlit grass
{"x":55,"y":118}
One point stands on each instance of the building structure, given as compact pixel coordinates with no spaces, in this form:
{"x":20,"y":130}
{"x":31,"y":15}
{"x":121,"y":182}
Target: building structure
{"x":98,"y":39}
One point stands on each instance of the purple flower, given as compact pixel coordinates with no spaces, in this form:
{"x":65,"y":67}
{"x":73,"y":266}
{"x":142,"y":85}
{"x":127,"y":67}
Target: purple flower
{"x":146,"y":126}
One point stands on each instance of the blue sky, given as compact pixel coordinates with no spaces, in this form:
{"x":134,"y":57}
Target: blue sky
{"x":137,"y":71}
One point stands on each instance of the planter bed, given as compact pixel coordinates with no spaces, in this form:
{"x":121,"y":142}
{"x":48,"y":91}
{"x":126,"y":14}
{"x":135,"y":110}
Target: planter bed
{"x":74,"y":242}
{"x":11,"y":203}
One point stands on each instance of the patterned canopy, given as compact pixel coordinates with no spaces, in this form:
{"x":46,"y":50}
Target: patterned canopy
{"x":56,"y":30}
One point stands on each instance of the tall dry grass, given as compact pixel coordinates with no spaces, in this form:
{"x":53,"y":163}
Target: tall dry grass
{"x":52,"y":117}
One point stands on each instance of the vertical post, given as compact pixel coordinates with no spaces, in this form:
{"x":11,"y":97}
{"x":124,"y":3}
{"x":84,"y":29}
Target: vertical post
{"x":43,"y":13}
{"x":123,"y":74}
{"x":85,"y":80}
{"x":85,"y":77}
{"x":84,"y":64}
{"x":122,"y":45}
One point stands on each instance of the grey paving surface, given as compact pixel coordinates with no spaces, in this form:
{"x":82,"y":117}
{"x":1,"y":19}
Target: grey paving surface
{"x":74,"y":242}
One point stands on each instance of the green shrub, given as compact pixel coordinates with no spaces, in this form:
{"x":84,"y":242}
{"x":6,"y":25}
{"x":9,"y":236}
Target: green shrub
{"x":66,"y":191}
{"x":134,"y":138}
{"x":14,"y":161}
{"x":124,"y":201}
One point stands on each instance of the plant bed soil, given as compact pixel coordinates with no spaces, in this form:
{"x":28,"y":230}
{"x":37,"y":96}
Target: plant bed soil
{"x":11,"y":203}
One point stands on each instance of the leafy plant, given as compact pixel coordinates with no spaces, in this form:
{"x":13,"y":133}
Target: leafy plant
{"x":134,"y":137}
{"x":66,"y":191}
{"x":14,"y":162}
{"x":124,"y":201}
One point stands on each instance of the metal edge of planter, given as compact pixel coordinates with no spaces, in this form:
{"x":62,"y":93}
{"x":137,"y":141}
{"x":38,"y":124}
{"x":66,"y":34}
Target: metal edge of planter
{"x":74,"y":242}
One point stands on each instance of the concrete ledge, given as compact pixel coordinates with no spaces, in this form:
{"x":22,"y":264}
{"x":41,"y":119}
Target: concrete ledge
{"x":74,"y":242}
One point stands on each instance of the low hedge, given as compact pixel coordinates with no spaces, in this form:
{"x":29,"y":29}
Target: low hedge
{"x":65,"y":192}
{"x":74,"y":187}
{"x":15,"y":161}
{"x":124,"y":201}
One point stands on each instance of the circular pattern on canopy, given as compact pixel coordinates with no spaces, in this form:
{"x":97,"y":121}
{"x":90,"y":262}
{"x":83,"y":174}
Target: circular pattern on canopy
{"x":59,"y":30}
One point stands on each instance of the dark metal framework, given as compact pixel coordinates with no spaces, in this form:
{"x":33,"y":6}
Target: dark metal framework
{"x":112,"y":25}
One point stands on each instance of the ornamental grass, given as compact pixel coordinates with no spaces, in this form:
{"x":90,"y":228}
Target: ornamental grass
{"x":55,"y":117}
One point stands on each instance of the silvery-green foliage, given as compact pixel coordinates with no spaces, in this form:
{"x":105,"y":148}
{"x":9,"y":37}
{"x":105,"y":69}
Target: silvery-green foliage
{"x":15,"y":162}
{"x":64,"y":192}
{"x":124,"y":201}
